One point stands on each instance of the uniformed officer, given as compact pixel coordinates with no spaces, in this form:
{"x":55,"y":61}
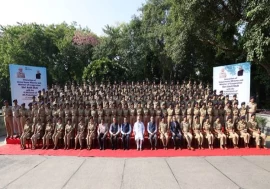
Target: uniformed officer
{"x":132,"y":112}
{"x":49,"y":129}
{"x":230,"y":127}
{"x":7,"y":113}
{"x":255,"y":132}
{"x":208,"y":131}
{"x":252,"y":107}
{"x":38,"y":133}
{"x":185,"y":127}
{"x":68,"y":133}
{"x":197,"y":129}
{"x":91,"y":133}
{"x":189,"y":113}
{"x":58,"y":132}
{"x":220,"y":134}
{"x":243,"y":131}
{"x":27,"y":131}
{"x":80,"y":134}
{"x":235,"y":113}
{"x":163,"y":131}
{"x":23,"y":115}
{"x":16,"y":118}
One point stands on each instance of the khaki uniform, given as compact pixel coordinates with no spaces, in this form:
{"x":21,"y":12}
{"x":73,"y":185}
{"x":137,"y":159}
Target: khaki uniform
{"x":74,"y":115}
{"x":177,"y":112}
{"x":235,"y":113}
{"x":7,"y":113}
{"x":209,"y":135}
{"x":68,"y":134}
{"x":190,"y":115}
{"x":185,"y":126}
{"x":58,"y":133}
{"x":132,"y":112}
{"x":170,"y":115}
{"x":16,"y":120}
{"x":227,"y":113}
{"x":39,"y":127}
{"x":80,"y":134}
{"x":232,"y":134}
{"x":146,"y":117}
{"x":23,"y":116}
{"x":35,"y":115}
{"x":220,"y":135}
{"x":163,"y":131}
{"x":26,"y":134}
{"x":100,"y":113}
{"x":42,"y":114}
{"x":210,"y":112}
{"x":252,"y":108}
{"x":48,"y":134}
{"x":87,"y":112}
{"x":108,"y":116}
{"x":198,"y":134}
{"x":242,"y":128}
{"x":259,"y":137}
{"x":158,"y":116}
{"x":203,"y":112}
{"x":126,"y":114}
{"x":91,"y":133}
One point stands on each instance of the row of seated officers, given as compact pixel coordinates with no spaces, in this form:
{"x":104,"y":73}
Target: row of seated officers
{"x":125,"y":131}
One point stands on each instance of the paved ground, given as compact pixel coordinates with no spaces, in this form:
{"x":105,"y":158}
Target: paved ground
{"x":134,"y":173}
{"x":168,"y":173}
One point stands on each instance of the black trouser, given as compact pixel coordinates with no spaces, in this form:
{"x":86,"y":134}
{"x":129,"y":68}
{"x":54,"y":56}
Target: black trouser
{"x":114,"y":141}
{"x":125,"y":139}
{"x":179,"y":136}
{"x":153,"y":139}
{"x":101,"y":139}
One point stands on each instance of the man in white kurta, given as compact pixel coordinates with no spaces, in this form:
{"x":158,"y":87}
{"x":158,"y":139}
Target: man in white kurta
{"x":138,"y":130}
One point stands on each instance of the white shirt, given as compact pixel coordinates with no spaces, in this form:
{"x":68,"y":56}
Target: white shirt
{"x":139,"y":130}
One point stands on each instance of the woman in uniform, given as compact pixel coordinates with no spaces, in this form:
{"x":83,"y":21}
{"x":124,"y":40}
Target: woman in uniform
{"x":220,"y":134}
{"x":58,"y":132}
{"x":38,"y":133}
{"x":48,"y":134}
{"x":242,"y":129}
{"x":197,"y":130}
{"x":207,"y":128}
{"x":91,"y":133}
{"x":231,"y":132}
{"x":80,"y":134}
{"x":68,"y":134}
{"x":26,"y":133}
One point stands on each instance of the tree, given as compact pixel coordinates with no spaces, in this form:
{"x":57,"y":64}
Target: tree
{"x":104,"y":70}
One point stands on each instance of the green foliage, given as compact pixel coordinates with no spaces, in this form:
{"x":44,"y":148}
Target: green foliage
{"x":104,"y":70}
{"x":64,"y":49}
{"x":261,"y":121}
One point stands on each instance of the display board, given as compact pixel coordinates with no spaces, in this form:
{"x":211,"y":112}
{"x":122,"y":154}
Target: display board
{"x":233,"y":79}
{"x":26,"y":81}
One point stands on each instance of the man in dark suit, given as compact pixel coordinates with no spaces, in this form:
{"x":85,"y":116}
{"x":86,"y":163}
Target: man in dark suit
{"x":176,"y":133}
{"x":240,"y":71}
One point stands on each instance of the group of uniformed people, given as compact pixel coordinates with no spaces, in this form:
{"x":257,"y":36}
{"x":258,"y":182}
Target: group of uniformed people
{"x":121,"y":111}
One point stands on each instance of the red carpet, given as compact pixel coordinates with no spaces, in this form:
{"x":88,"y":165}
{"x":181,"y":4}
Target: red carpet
{"x":10,"y":149}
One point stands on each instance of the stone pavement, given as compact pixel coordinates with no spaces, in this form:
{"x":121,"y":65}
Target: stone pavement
{"x":134,"y":173}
